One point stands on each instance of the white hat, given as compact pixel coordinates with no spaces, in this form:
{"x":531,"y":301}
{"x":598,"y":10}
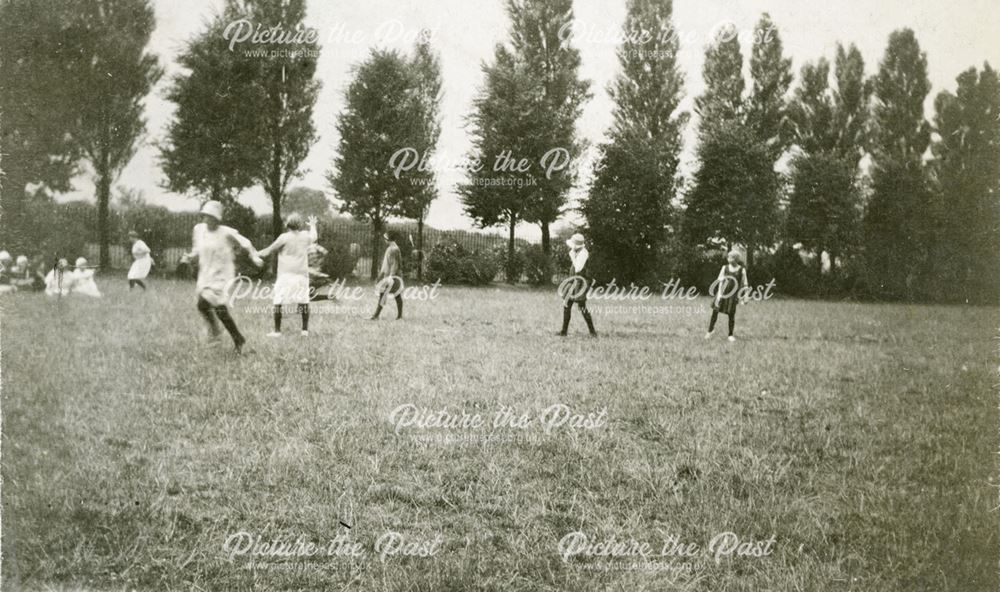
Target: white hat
{"x":5,"y":256}
{"x":212,"y":208}
{"x":81,"y":262}
{"x":576,"y":241}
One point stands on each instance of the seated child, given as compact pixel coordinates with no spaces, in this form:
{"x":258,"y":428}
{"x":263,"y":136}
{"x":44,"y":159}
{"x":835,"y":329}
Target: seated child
{"x":85,"y":283}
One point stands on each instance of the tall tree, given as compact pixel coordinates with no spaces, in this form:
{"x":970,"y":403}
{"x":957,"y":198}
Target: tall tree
{"x":427,"y":71}
{"x":114,"y":73}
{"x":383,"y":115}
{"x":39,"y":108}
{"x":505,"y":122}
{"x":258,"y":127}
{"x":629,"y":209}
{"x":966,"y":208}
{"x":826,"y":125}
{"x":539,"y":40}
{"x":722,"y":100}
{"x":211,"y":144}
{"x":735,"y":192}
{"x":772,"y":76}
{"x":896,"y":220}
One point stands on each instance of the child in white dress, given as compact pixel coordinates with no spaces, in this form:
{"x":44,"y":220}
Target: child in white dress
{"x":59,"y":281}
{"x":142,"y":262}
{"x":213,"y":247}
{"x":84,"y":279}
{"x":292,"y":284}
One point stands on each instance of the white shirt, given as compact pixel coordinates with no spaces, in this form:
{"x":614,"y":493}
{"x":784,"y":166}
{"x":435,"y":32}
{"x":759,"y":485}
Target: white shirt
{"x":215,"y":250}
{"x":293,"y":251}
{"x":579,"y":259}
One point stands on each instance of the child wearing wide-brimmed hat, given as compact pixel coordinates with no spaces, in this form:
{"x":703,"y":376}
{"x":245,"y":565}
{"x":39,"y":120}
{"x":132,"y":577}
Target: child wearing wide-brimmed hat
{"x":576,"y":287}
{"x":728,"y":287}
{"x":213,"y":246}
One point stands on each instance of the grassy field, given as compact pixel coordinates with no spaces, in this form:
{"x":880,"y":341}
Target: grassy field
{"x":861,"y":437}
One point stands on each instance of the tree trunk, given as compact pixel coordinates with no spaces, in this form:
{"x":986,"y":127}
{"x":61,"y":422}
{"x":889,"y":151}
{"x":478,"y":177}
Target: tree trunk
{"x":376,"y":236}
{"x":420,"y":248}
{"x":546,"y":241}
{"x":510,"y":252}
{"x":103,"y":205}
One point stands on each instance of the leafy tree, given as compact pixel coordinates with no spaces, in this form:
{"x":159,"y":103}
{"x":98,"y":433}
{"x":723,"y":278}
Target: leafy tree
{"x":427,"y":69}
{"x":966,"y":208}
{"x":307,"y":201}
{"x":107,"y":63}
{"x":257,"y":128}
{"x":505,"y":121}
{"x":722,"y":100}
{"x":896,"y":220}
{"x":384,"y":113}
{"x":629,"y":207}
{"x":38,"y":106}
{"x":735,"y":191}
{"x":826,"y":125}
{"x":772,"y":76}
{"x":539,"y":40}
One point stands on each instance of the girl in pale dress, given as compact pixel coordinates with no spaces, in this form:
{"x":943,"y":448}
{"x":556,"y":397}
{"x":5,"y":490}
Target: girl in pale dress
{"x":59,"y":281}
{"x":292,"y":284}
{"x":84,"y":279}
{"x":141,"y":262}
{"x":213,"y":247}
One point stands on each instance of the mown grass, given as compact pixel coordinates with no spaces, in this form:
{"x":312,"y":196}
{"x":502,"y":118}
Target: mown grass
{"x":862,"y":437}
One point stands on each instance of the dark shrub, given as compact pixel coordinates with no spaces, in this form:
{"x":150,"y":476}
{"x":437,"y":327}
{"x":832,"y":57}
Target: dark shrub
{"x":538,"y":267}
{"x":452,"y":263}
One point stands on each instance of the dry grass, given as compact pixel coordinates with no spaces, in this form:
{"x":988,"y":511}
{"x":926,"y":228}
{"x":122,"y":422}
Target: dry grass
{"x":862,"y":437}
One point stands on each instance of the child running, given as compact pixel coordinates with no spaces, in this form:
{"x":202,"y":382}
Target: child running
{"x":213,"y":246}
{"x":732,"y":277}
{"x":141,"y":264}
{"x":292,"y":284}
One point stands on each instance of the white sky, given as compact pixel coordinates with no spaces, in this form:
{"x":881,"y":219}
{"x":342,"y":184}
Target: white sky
{"x":955,"y":35}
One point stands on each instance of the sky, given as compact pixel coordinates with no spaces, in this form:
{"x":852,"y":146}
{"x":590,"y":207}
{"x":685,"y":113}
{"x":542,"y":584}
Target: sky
{"x":955,"y":35}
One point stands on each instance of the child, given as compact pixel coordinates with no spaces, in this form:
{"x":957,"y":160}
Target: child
{"x":84,"y":279}
{"x":292,"y":284}
{"x":59,"y":281}
{"x":141,"y":264}
{"x":389,"y":280}
{"x":21,"y":276}
{"x":213,"y":246}
{"x":578,"y":255}
{"x":6,"y":273}
{"x":732,"y":278}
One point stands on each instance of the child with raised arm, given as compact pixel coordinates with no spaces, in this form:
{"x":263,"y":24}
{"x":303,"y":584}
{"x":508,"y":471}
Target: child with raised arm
{"x":292,"y":284}
{"x":214,"y":247}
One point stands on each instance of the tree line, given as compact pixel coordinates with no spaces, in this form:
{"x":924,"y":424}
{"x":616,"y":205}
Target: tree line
{"x":833,"y":166}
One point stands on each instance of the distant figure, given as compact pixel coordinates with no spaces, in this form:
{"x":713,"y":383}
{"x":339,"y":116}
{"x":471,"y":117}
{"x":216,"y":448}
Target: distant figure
{"x":317,"y":278}
{"x":292,"y":283}
{"x":213,"y":247}
{"x":21,"y":276}
{"x":60,"y":279}
{"x":388,"y":280}
{"x":732,"y":277}
{"x":184,"y":269}
{"x":577,"y":286}
{"x":6,"y":273}
{"x":142,"y":262}
{"x":83,"y":279}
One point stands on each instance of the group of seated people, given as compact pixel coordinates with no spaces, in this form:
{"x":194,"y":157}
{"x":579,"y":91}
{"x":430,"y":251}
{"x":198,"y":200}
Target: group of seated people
{"x":58,"y":279}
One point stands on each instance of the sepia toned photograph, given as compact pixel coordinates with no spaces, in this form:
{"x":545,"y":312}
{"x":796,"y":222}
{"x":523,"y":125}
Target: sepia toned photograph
{"x":499,"y":295}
